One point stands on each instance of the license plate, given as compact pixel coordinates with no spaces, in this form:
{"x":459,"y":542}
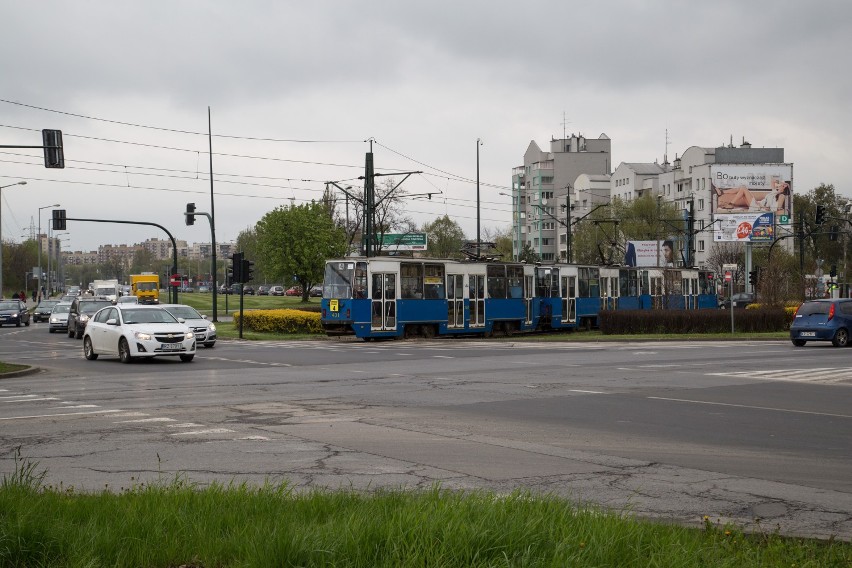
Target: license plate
{"x":172,"y":346}
{"x":808,"y":334}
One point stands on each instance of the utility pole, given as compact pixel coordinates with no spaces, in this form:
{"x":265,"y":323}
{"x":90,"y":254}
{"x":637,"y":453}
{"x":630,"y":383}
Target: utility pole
{"x":478,"y":237}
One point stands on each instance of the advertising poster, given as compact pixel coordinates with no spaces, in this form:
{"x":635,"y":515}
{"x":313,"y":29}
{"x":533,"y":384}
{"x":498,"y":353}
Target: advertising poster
{"x":745,"y":227}
{"x":649,"y":253}
{"x":742,"y":188}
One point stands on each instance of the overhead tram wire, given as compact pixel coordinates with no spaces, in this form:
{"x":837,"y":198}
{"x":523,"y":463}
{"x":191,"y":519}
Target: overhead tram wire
{"x":179,"y":131}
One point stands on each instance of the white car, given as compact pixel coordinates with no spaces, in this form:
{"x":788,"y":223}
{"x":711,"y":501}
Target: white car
{"x":205,"y":330}
{"x":58,"y":319}
{"x":131,"y":331}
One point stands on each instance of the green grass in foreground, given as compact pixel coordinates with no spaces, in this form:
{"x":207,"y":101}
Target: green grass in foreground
{"x":175,"y":524}
{"x":10,"y":367}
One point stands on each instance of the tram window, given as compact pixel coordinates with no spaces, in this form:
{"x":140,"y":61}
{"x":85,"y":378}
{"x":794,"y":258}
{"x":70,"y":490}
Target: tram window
{"x":542,"y":282}
{"x":361,"y":280}
{"x":433,"y":284}
{"x":411,"y":278}
{"x":496,"y":281}
{"x":515,"y":278}
{"x":589,"y":283}
{"x":377,"y":286}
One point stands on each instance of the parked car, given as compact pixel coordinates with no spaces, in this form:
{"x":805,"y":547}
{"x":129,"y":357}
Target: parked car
{"x":740,"y":299}
{"x":263,"y":290}
{"x":294,"y":291}
{"x":135,"y":331}
{"x":14,"y":312}
{"x":316,"y":291}
{"x":203,"y":289}
{"x":276,"y":291}
{"x":58,"y":320}
{"x":43,"y":309}
{"x":248,"y":290}
{"x":82,"y":308}
{"x":205,"y":330}
{"x":823,"y":320}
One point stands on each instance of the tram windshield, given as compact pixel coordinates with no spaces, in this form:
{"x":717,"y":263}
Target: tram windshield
{"x":344,"y":279}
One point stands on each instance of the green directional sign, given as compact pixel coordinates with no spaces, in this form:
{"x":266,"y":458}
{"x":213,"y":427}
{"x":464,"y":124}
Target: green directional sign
{"x":783,"y":219}
{"x":403,"y":241}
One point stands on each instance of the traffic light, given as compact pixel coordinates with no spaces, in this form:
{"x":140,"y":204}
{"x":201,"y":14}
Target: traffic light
{"x":229,"y":277}
{"x":59,"y":219}
{"x":54,"y":156}
{"x":833,"y":271}
{"x":752,"y":277}
{"x":237,"y":267}
{"x":247,"y":270}
{"x":820,"y":214}
{"x":190,"y":214}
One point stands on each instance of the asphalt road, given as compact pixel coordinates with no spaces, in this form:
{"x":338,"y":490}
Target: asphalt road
{"x":753,"y":432}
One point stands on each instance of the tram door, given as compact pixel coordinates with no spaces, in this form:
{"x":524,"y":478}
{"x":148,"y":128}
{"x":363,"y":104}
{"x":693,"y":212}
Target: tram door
{"x":569,"y":299}
{"x":529,"y":292}
{"x":383,"y":302}
{"x":455,"y":301}
{"x":477,"y":300}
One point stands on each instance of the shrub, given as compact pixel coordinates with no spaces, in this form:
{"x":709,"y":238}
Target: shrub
{"x":613,"y":322}
{"x":280,"y":321}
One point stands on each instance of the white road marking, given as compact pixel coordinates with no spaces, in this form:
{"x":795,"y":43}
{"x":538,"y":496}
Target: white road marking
{"x":59,"y":414}
{"x":201,"y":432}
{"x":790,"y":410}
{"x":145,"y":420}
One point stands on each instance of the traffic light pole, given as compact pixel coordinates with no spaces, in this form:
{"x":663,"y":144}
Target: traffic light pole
{"x":173,"y":289}
{"x":190,"y":216}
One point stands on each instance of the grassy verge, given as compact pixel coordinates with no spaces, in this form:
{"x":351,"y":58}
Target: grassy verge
{"x":11,"y":367}
{"x":177,"y":524}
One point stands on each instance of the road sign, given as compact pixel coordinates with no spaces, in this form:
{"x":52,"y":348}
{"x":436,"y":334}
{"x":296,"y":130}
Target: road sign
{"x":728,"y":276}
{"x":730,"y":267}
{"x":783,"y":219}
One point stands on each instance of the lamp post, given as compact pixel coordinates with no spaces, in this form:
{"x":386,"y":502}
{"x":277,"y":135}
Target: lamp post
{"x":40,"y":273}
{"x":59,"y":272}
{"x":50,"y":255}
{"x":1,"y":232}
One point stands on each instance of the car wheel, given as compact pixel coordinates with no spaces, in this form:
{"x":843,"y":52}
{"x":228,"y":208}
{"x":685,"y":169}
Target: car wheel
{"x":51,"y":330}
{"x":124,"y":351}
{"x":87,"y":349}
{"x":18,"y":324}
{"x":799,"y":342}
{"x":187,"y":358}
{"x":78,"y":334}
{"x":28,"y":323}
{"x":841,"y":338}
{"x":70,"y":332}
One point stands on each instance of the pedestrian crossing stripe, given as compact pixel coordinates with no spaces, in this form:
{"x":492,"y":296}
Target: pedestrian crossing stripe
{"x":819,"y":375}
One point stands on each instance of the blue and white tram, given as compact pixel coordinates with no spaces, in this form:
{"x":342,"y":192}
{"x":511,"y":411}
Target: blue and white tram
{"x":389,"y":297}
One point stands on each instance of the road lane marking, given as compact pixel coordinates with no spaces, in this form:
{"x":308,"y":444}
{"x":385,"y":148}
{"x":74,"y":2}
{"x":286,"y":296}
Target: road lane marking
{"x":201,"y":432}
{"x":59,"y":414}
{"x":751,"y":407}
{"x":586,"y":391}
{"x":145,"y":420}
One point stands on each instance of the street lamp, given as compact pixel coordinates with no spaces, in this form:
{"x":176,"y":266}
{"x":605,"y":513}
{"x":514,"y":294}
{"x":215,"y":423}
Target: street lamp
{"x":1,"y":232}
{"x":40,"y":273}
{"x":50,"y":255}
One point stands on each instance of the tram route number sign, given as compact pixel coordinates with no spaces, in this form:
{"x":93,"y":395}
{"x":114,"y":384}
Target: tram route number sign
{"x":333,"y":306}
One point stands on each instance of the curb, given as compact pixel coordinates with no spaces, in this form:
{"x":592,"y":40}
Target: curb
{"x":21,"y":373}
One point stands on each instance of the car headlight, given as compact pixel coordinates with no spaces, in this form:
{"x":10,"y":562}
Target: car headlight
{"x":189,"y":335}
{"x":84,"y":317}
{"x":54,"y":320}
{"x":212,"y":327}
{"x":142,"y":336}
{"x":14,"y":315}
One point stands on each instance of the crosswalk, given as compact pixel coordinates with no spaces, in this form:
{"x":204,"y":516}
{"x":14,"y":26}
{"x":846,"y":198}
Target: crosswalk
{"x":832,"y":376}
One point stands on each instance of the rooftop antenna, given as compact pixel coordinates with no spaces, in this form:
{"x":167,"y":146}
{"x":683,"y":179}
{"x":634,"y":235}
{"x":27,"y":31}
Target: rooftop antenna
{"x":666,"y":152}
{"x":565,"y":123}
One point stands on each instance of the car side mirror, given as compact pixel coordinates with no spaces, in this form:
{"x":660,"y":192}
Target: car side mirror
{"x":204,"y":316}
{"x":181,"y":320}
{"x":112,"y":321}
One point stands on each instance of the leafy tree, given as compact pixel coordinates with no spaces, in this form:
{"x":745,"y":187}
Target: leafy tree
{"x":503,"y":241}
{"x":389,"y":215}
{"x":247,"y":244}
{"x":143,"y":261}
{"x":18,"y":259}
{"x":444,"y":238}
{"x":294,"y":242}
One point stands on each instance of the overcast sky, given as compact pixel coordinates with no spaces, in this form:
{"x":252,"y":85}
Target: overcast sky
{"x":129,"y":85}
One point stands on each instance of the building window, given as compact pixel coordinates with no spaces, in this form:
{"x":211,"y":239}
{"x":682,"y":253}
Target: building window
{"x":546,"y":242}
{"x":701,"y":205}
{"x":547,"y":256}
{"x":700,"y":246}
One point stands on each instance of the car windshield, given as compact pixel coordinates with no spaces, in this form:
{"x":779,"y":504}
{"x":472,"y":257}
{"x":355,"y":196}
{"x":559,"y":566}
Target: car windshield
{"x":148,"y":316}
{"x":47,"y":303}
{"x":61,"y":308}
{"x":813,"y":308}
{"x":184,"y":312}
{"x":92,"y":307}
{"x":9,"y":306}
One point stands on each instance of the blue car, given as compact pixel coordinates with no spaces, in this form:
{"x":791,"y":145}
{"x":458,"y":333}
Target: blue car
{"x":822,"y":320}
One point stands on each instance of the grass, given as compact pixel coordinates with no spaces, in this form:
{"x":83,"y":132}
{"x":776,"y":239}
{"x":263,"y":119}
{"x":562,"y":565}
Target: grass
{"x":11,"y":367}
{"x":203,"y":302}
{"x":176,"y":523}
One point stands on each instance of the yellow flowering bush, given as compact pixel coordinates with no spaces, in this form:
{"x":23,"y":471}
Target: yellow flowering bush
{"x":280,"y":321}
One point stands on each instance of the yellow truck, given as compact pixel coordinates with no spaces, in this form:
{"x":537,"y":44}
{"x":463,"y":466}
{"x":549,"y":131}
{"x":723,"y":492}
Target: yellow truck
{"x":146,"y":287}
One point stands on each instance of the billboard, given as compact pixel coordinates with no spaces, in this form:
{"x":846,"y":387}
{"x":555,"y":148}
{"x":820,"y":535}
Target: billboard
{"x":752,"y":188}
{"x":649,"y":253}
{"x":404,"y":241}
{"x":744,"y":227}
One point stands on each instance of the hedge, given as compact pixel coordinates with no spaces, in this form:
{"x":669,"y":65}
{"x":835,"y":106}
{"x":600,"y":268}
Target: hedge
{"x":280,"y":321}
{"x":613,"y":322}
